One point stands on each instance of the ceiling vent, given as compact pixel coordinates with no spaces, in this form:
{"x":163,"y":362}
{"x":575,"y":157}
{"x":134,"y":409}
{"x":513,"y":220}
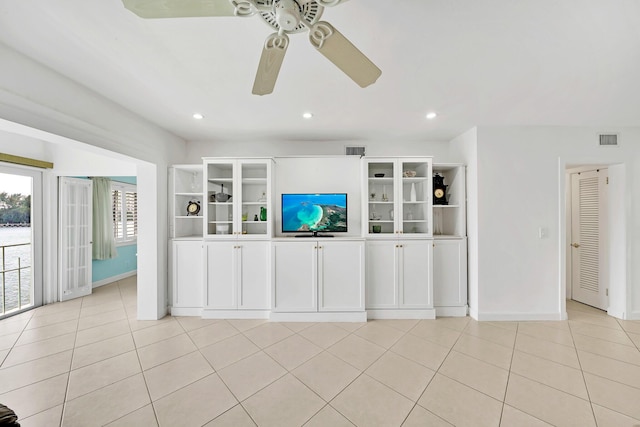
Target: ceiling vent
{"x":354,"y":151}
{"x":608,"y":139}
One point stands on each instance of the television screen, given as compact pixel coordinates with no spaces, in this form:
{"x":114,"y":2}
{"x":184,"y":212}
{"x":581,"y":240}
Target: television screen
{"x":314,"y":212}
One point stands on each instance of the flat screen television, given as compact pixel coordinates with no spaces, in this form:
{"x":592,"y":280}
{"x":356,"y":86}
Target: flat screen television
{"x":314,"y":213}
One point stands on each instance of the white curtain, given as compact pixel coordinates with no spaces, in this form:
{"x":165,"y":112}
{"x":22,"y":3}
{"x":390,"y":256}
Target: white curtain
{"x":104,"y":243}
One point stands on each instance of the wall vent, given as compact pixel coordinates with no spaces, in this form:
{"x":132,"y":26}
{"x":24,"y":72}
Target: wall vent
{"x":354,"y":150}
{"x":608,"y":139}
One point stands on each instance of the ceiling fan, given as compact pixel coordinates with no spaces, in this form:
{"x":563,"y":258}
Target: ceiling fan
{"x":287,"y":17}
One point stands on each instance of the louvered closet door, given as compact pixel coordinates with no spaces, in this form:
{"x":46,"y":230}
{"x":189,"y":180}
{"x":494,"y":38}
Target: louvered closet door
{"x":588,"y":238}
{"x":75,"y":201}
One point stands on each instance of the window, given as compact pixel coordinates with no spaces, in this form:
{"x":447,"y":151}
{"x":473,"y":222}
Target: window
{"x":125,"y":212}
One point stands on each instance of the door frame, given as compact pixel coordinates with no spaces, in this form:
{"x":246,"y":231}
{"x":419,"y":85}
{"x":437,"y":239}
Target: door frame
{"x":617,"y":230}
{"x":601,"y":301}
{"x":37,"y":219}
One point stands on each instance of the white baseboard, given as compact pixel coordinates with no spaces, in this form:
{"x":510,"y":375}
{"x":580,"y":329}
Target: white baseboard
{"x":616,"y":314}
{"x":112,"y":279}
{"x":185,"y":311}
{"x":429,"y":313}
{"x":520,"y":317}
{"x":635,"y":315}
{"x":451,"y":311}
{"x":235,"y":314}
{"x":355,"y":316}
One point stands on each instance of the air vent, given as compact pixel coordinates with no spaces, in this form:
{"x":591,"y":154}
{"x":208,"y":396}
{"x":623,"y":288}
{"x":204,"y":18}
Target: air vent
{"x":608,"y":139}
{"x":354,"y":151}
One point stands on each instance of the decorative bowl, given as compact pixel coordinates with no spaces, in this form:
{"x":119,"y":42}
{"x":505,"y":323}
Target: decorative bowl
{"x":222,"y":197}
{"x":409,"y":174}
{"x":378,"y":175}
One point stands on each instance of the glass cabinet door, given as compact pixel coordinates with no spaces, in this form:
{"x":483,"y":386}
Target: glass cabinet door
{"x":220,"y":194}
{"x":398,"y":196}
{"x":416,"y":190}
{"x":254,"y":210}
{"x":381,"y":197}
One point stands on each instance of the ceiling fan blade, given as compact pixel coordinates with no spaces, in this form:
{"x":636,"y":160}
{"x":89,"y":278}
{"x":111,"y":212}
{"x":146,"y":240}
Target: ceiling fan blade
{"x":181,"y":8}
{"x":270,"y":61}
{"x":337,"y":49}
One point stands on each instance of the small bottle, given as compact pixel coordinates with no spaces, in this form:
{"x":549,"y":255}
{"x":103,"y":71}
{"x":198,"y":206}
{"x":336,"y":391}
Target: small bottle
{"x":255,"y":218}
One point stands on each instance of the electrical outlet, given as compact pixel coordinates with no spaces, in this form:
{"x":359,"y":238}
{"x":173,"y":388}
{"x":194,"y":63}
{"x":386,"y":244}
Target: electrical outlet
{"x":543,"y":232}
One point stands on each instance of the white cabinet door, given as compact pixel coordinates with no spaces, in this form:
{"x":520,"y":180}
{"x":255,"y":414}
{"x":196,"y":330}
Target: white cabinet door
{"x":382,"y":283}
{"x":294,"y":276}
{"x":253,"y":281}
{"x":415,"y":260}
{"x":341,"y":276}
{"x":450,"y":273}
{"x":187,"y":273}
{"x":222,"y":271}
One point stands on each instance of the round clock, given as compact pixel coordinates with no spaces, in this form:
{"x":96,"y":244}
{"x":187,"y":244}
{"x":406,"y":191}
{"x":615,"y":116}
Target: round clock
{"x":439,"y":193}
{"x":193,"y":207}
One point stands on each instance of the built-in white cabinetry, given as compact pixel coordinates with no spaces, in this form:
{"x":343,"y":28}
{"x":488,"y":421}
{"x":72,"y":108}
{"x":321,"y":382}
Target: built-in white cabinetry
{"x":449,"y":220}
{"x":450,"y":243}
{"x":237,"y":279}
{"x":324,"y":279}
{"x":238,"y":195}
{"x":398,"y":196}
{"x":410,"y":261}
{"x":186,"y":272}
{"x":185,"y":188}
{"x":450,"y":277}
{"x":399,"y":279}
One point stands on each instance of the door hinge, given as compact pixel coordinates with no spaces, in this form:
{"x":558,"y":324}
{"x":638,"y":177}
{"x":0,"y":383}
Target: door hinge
{"x":607,"y":292}
{"x":607,"y":180}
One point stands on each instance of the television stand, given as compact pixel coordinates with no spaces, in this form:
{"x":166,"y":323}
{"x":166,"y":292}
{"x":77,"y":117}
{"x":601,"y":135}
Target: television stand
{"x":314,"y":234}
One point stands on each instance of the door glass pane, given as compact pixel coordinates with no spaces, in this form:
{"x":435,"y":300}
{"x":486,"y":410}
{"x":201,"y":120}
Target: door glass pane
{"x":16,"y":249}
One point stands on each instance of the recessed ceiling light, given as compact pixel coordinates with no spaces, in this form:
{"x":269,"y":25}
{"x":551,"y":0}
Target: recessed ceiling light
{"x":431,"y":115}
{"x":198,"y":116}
{"x":307,"y":115}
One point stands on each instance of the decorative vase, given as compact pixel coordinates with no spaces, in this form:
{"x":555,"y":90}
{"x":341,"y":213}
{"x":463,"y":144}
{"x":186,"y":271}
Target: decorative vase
{"x":263,"y":214}
{"x":413,"y":192}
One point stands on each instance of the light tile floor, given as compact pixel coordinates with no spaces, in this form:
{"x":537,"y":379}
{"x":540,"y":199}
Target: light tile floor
{"x":88,"y":362}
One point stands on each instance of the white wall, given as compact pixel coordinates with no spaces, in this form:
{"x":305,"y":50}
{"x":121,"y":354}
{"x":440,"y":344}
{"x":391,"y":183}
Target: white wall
{"x":196,"y":150}
{"x":520,"y":174}
{"x":39,"y":103}
{"x":321,"y":175}
{"x":464,"y":149}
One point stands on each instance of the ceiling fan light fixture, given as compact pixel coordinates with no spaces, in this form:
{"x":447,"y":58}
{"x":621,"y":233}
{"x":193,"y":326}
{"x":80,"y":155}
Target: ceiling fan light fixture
{"x":431,"y":115}
{"x":307,"y":115}
{"x":198,"y":116}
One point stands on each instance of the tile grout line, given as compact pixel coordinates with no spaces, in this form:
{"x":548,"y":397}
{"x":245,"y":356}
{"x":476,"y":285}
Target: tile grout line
{"x":506,"y":388}
{"x":144,"y":378}
{"x":436,"y":371}
{"x":584,"y":380}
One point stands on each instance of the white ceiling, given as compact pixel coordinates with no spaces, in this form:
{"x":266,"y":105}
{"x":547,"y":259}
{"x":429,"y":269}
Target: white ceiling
{"x":474,"y":62}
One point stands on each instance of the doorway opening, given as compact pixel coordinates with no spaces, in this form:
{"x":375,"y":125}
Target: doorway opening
{"x":20,"y":239}
{"x":595,"y":241}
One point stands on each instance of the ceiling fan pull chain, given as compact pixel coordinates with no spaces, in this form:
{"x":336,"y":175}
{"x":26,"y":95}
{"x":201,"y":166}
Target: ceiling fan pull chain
{"x":319,"y":33}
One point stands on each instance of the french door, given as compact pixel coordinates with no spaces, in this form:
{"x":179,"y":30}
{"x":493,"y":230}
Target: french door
{"x":589,"y":262}
{"x":20,"y":238}
{"x":75,"y":235}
